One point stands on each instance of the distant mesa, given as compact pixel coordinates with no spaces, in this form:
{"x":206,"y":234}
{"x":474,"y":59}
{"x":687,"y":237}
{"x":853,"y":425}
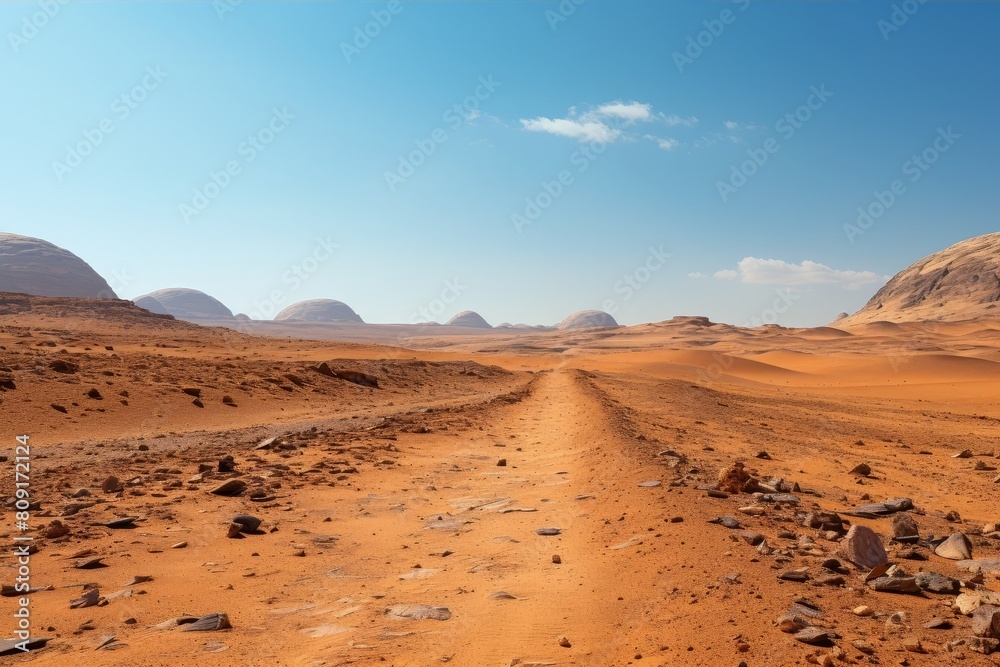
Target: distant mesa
{"x":586,"y":319}
{"x":184,"y":304}
{"x":961,"y":282}
{"x":33,"y":266}
{"x":242,"y":317}
{"x":468,"y":318}
{"x":319,"y":310}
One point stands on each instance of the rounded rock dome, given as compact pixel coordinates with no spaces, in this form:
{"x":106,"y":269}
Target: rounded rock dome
{"x":319,"y":310}
{"x":184,"y":303}
{"x":586,"y":319}
{"x":33,"y":266}
{"x":468,"y":318}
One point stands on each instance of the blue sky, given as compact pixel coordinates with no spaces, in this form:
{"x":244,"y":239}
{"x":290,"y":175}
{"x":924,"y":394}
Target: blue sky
{"x":390,"y":172}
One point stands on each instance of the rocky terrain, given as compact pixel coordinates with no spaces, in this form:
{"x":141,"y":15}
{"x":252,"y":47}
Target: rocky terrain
{"x":681,"y":492}
{"x":33,"y":266}
{"x":958,"y":283}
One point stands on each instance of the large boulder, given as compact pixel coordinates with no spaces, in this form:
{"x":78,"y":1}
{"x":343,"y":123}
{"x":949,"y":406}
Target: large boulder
{"x":586,"y":319}
{"x":319,"y":310}
{"x":863,"y":547}
{"x":33,"y":266}
{"x":468,"y":318}
{"x":184,"y":304}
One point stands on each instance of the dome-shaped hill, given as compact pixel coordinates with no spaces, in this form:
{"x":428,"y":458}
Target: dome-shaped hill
{"x":586,"y":319}
{"x":468,"y":318}
{"x":33,"y":266}
{"x":184,"y":303}
{"x":958,"y":283}
{"x":319,"y":310}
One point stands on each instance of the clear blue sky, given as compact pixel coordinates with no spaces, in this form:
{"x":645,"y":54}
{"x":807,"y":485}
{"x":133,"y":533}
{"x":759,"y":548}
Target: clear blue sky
{"x":198,"y":81}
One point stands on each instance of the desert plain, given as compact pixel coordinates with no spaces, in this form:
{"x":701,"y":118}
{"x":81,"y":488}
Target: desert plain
{"x":501,"y":497}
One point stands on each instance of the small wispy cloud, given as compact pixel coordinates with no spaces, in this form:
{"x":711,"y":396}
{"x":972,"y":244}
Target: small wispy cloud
{"x":666,"y":143}
{"x":604,"y":123}
{"x":756,"y":271}
{"x":697,"y":274}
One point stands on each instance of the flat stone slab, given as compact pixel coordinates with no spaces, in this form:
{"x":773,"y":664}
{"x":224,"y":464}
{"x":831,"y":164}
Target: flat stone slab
{"x":419,"y":612}
{"x":987,"y":565}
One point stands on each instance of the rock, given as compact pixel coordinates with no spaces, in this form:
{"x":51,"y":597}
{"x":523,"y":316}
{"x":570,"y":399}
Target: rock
{"x":62,"y":409}
{"x":557,"y":559}
{"x":138,"y":579}
{"x":227,"y":464}
{"x":234,"y":530}
{"x":651,"y":484}
{"x":727,"y":521}
{"x":863,"y":646}
{"x":192,"y":391}
{"x":548,"y":531}
{"x":55,"y":529}
{"x":956,"y":547}
{"x":228,"y":400}
{"x":90,"y":598}
{"x":986,"y":622}
{"x":752,"y":538}
{"x":904,"y":525}
{"x":123,"y":522}
{"x":862,"y":469}
{"x":249,"y":524}
{"x":94,"y":394}
{"x":800,"y":575}
{"x":13,"y":646}
{"x":906,"y":585}
{"x":937,"y":583}
{"x":564,"y":642}
{"x":210,"y":623}
{"x":984,"y":565}
{"x":90,"y":563}
{"x":111,"y":485}
{"x":63,"y":366}
{"x":502,"y":463}
{"x":964,"y":454}
{"x":982,"y":645}
{"x":938,"y":624}
{"x":735,"y":479}
{"x":790,"y":624}
{"x":419,"y":612}
{"x":351,"y":376}
{"x":197,"y":403}
{"x":179,"y":545}
{"x":913,"y":645}
{"x":502,"y":595}
{"x":814,"y":637}
{"x":232,"y":487}
{"x":863,"y":611}
{"x":863,"y":547}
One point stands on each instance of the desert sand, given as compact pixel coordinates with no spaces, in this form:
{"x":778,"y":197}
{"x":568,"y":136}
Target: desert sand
{"x":426,"y":496}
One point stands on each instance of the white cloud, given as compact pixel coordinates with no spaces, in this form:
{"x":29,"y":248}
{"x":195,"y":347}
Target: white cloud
{"x":574,"y":129}
{"x":756,"y":271}
{"x":697,"y":274}
{"x":731,"y":124}
{"x":675,"y":120}
{"x":627,"y":111}
{"x":666,"y":143}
